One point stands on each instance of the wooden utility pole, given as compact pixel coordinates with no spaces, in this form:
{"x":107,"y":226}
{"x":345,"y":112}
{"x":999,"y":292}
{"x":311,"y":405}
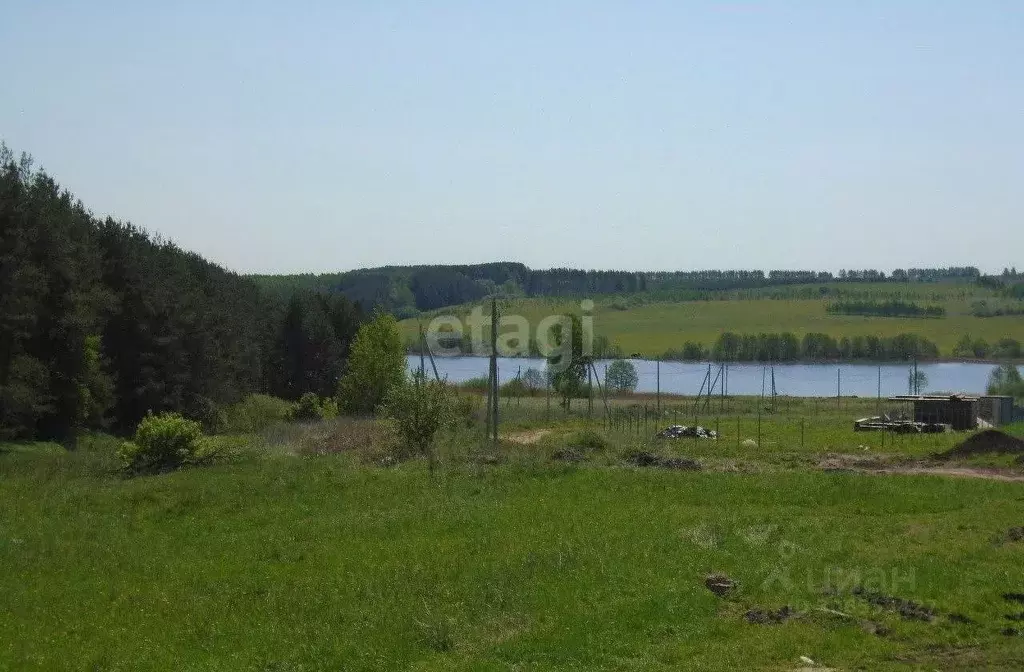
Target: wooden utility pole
{"x":426,"y":347}
{"x":423,"y":341}
{"x":878,"y":404}
{"x":657,"y":369}
{"x":490,"y":393}
{"x":839,"y":385}
{"x":590,"y":392}
{"x":603,"y":390}
{"x":722,"y":373}
{"x":494,"y":369}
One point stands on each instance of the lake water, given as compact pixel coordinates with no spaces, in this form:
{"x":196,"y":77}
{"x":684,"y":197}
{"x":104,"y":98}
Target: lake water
{"x":799,"y":380}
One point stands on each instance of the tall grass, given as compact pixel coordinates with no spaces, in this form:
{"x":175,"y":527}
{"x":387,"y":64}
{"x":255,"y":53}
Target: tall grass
{"x":324,"y":563}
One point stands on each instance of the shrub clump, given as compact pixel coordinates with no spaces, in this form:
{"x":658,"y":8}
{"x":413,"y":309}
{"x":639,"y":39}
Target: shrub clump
{"x":162,"y":443}
{"x":254,"y":413}
{"x":312,"y":407}
{"x":416,"y":410}
{"x":467,"y":408}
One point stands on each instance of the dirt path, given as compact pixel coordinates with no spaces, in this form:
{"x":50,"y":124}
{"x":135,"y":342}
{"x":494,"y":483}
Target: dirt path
{"x":877,"y":465}
{"x":990,"y":474}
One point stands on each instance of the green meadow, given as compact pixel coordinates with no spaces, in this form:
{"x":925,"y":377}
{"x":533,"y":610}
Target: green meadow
{"x":302,"y":552}
{"x":652,"y":325}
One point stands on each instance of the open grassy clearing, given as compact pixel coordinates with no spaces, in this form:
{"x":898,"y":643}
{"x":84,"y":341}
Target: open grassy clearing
{"x":651,"y":328}
{"x":291,"y":559}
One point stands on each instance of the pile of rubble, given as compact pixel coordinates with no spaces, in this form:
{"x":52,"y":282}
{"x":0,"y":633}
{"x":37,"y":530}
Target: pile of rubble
{"x":684,"y":432}
{"x":898,"y":425}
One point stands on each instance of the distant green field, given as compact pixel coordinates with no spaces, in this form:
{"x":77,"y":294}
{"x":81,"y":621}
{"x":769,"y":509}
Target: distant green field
{"x":651,"y":328}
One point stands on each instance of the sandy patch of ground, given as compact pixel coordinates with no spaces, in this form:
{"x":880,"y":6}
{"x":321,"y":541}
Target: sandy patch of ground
{"x":528,"y":437}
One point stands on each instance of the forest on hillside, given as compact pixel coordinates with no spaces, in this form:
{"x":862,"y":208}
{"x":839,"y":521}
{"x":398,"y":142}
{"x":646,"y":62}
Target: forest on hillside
{"x":101,"y":323}
{"x":408,"y":290}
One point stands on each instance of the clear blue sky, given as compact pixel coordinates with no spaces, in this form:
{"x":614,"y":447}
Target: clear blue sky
{"x":326,"y":136}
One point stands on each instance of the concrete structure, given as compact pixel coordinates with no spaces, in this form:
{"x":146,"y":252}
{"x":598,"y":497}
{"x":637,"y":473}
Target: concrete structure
{"x":959,"y":411}
{"x":996,"y":409}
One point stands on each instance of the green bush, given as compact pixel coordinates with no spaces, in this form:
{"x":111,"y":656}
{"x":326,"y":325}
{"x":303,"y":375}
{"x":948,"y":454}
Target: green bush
{"x":205,"y":411}
{"x":307,"y":408}
{"x":329,"y":408}
{"x":162,"y":443}
{"x":312,"y":407}
{"x":466,"y":408}
{"x":255,"y":413}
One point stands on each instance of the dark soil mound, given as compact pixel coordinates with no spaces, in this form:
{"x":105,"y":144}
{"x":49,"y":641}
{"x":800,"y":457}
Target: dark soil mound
{"x":767,"y":616}
{"x":988,"y":442}
{"x":572,"y":455}
{"x":1013,"y":534}
{"x":720,"y":584}
{"x":908,"y":609}
{"x":642,"y":458}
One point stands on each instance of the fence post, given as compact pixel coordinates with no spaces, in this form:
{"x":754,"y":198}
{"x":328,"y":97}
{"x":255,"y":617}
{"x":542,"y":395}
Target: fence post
{"x":759,"y":425}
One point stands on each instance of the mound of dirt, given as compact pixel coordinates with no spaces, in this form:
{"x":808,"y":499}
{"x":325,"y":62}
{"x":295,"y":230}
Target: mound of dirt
{"x":988,"y":442}
{"x":642,"y":458}
{"x":720,"y":584}
{"x":570,"y":454}
{"x":1013,"y":534}
{"x":761,"y":616}
{"x":908,"y":609}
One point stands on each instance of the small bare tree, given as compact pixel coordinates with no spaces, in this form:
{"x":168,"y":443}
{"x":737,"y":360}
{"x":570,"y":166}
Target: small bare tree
{"x":417,"y":409}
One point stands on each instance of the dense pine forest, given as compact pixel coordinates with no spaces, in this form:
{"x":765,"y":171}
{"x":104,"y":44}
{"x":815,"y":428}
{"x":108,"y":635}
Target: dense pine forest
{"x":101,"y":323}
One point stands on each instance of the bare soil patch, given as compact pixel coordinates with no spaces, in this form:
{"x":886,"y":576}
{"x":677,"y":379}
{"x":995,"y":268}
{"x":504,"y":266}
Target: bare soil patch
{"x":528,"y":437}
{"x":878,"y":465}
{"x":642,"y":458}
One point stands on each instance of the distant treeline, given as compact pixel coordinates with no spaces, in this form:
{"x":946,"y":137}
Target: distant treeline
{"x":979,"y":348}
{"x":788,"y":347}
{"x":985,"y":309}
{"x":101,"y":323}
{"x":885,"y":309}
{"x":1010,"y":284}
{"x":407,"y":290}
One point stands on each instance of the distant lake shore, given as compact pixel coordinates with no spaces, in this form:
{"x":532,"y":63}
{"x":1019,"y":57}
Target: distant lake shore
{"x":804,"y":379}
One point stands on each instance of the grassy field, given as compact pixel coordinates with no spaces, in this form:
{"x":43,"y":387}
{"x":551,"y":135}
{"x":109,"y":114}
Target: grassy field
{"x":651,"y":328}
{"x":287,"y":559}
